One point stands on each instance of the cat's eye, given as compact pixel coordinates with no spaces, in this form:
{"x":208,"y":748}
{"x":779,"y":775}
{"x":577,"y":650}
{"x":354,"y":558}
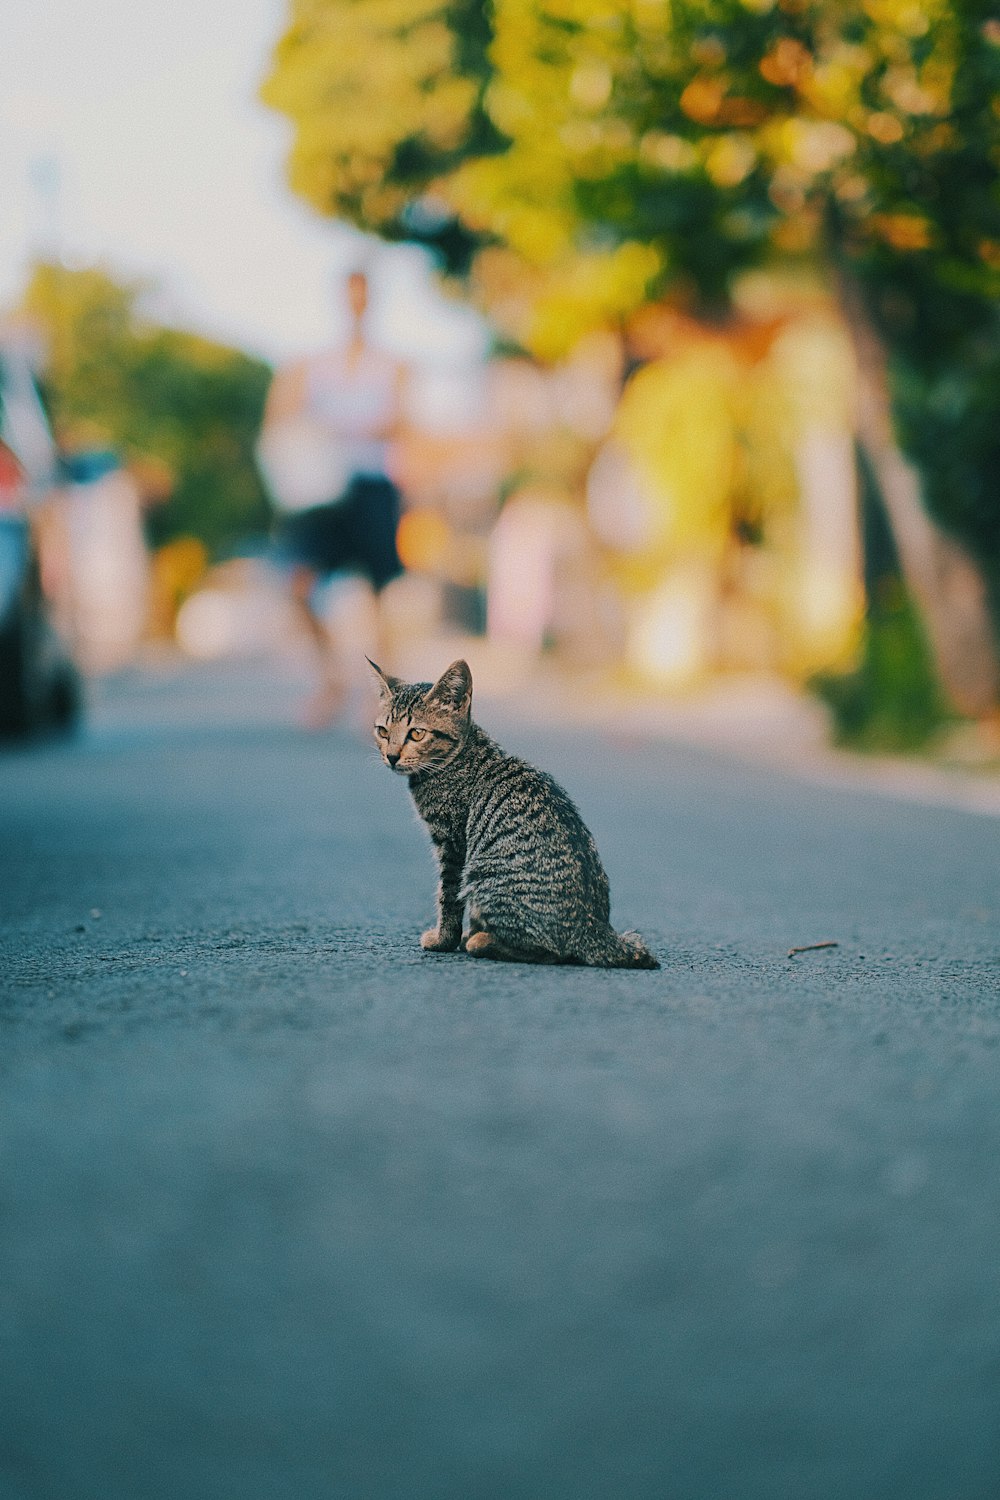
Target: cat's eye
{"x":417,"y":734}
{"x":381,"y":731}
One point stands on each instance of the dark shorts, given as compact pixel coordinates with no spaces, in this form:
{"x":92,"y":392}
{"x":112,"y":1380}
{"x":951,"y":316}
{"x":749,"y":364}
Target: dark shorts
{"x":356,"y":533}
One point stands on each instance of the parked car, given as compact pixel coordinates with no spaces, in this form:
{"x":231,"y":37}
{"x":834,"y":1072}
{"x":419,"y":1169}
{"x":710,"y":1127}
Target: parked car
{"x":39,"y":682}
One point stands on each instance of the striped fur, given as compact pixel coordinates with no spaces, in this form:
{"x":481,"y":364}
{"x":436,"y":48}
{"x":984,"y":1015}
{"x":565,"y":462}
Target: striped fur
{"x":510,"y":844}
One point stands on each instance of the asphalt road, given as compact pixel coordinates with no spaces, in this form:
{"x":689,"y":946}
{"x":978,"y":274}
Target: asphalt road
{"x":291,"y":1210}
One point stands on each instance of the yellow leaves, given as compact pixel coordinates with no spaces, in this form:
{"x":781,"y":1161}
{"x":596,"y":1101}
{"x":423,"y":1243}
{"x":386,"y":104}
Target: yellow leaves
{"x":667,"y":153}
{"x":852,"y":190}
{"x":911,"y":95}
{"x":911,"y":18}
{"x":926,"y":143}
{"x":581,"y":138}
{"x":356,"y":79}
{"x":812,"y":146}
{"x":523,"y":198}
{"x":730,"y":159}
{"x":677,"y":422}
{"x":550,"y":308}
{"x":903,"y":231}
{"x":554,"y":62}
{"x":910,"y":88}
{"x":540,"y":236}
{"x":799,"y":232}
{"x":600,"y":98}
{"x":590,"y":85}
{"x":706,"y":102}
{"x":547,"y":293}
{"x":835,"y":82}
{"x":787,"y":65}
{"x":885,"y":128}
{"x":508,"y":106}
{"x":708,"y":51}
{"x":586,"y":291}
{"x":702,"y":99}
{"x":651,"y":16}
{"x":799,"y":151}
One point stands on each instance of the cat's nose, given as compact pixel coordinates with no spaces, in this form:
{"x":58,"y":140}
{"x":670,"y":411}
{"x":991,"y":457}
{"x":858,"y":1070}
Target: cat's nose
{"x":392,"y":757}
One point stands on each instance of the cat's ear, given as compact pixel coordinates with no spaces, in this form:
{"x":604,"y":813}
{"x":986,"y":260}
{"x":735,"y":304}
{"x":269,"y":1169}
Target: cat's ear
{"x":453,"y":688}
{"x":386,"y":683}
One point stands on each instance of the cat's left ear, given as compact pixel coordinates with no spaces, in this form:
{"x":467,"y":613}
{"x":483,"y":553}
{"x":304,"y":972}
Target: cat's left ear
{"x":386,"y":683}
{"x":453,"y":688}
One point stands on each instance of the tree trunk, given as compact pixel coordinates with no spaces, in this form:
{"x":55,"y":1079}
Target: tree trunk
{"x":944,"y":581}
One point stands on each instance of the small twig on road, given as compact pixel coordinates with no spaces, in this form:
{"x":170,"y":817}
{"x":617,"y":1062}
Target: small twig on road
{"x":811,"y":948}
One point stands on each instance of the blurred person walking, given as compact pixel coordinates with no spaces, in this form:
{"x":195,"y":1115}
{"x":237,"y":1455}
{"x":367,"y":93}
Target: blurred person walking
{"x":325,"y":451}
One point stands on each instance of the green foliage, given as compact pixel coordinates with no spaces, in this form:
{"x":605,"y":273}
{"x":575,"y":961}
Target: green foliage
{"x":949,"y":421}
{"x":712,"y":133}
{"x":937,"y":305}
{"x":181,"y":408}
{"x":591,"y":153}
{"x":892,"y":702}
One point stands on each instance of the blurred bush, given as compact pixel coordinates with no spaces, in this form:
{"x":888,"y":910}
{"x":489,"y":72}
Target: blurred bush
{"x":892,"y":701}
{"x":178,"y":568}
{"x":183,"y":411}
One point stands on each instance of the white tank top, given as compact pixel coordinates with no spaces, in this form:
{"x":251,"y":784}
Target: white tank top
{"x":355,"y":401}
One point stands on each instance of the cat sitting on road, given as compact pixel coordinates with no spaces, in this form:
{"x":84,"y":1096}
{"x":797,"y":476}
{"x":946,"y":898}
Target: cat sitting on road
{"x":510,"y":844}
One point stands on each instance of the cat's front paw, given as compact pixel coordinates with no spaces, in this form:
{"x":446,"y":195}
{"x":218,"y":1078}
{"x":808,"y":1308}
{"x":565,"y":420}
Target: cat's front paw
{"x":436,"y":941}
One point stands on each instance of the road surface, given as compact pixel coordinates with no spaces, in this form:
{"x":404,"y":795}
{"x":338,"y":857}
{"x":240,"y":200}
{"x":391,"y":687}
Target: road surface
{"x":291,"y":1210}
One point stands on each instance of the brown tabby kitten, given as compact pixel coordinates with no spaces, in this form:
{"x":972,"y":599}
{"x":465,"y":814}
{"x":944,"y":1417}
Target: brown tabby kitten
{"x":509,"y":841}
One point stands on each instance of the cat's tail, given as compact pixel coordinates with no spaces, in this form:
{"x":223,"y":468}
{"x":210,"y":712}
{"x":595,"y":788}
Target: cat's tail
{"x":621,"y":950}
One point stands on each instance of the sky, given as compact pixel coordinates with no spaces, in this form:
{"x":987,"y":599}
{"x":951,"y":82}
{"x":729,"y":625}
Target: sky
{"x":130,"y":136}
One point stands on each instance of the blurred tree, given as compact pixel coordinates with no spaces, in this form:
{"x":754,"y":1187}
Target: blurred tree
{"x":595,"y":153}
{"x":182,"y":410}
{"x":387,"y":98}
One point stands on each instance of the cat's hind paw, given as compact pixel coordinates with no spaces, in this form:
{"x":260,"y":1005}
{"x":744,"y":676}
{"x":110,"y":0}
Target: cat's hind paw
{"x":483,"y":945}
{"x":487,"y":945}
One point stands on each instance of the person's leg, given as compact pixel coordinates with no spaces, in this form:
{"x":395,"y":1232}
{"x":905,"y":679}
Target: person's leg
{"x":378,"y":520}
{"x":325,"y":704}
